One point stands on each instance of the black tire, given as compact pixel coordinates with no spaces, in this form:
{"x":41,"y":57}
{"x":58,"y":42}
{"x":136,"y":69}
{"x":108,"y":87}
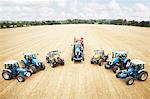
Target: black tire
{"x":92,"y":62}
{"x":100,"y":62}
{"x":6,"y":75}
{"x":118,"y":74}
{"x":142,"y":76}
{"x":105,"y":58}
{"x":20,"y":78}
{"x":42,"y":67}
{"x":83,"y":58}
{"x":62,"y":62}
{"x":72,"y":58}
{"x":115,"y":68}
{"x":52,"y":64}
{"x":129,"y":80}
{"x":33,"y":69}
{"x":47,"y":61}
{"x":28,"y":74}
{"x":106,"y":66}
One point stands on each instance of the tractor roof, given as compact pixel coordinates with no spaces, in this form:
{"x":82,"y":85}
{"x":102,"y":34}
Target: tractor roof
{"x":54,"y":51}
{"x":29,"y":53}
{"x":99,"y":50}
{"x":11,"y":62}
{"x":137,"y":62}
{"x":121,"y":52}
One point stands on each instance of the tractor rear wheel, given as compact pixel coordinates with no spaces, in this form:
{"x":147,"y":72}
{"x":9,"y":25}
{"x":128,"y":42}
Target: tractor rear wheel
{"x":115,"y":68}
{"x":100,"y":62}
{"x":6,"y":75}
{"x":129,"y":80}
{"x":105,"y":58}
{"x":142,"y":76}
{"x":20,"y":78}
{"x":33,"y":69}
{"x":42,"y":67}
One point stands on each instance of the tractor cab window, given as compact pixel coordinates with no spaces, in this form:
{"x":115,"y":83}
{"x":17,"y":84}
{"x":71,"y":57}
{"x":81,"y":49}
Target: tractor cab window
{"x":33,"y":56}
{"x":141,"y":66}
{"x":116,"y":55}
{"x":99,"y":52}
{"x":16,"y":65}
{"x":8,"y":66}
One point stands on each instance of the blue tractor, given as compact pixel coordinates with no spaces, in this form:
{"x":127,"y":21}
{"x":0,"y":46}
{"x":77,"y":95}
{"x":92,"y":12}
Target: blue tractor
{"x":119,"y":61}
{"x":12,"y":70}
{"x":77,"y":52}
{"x":135,"y":70}
{"x":31,"y":62}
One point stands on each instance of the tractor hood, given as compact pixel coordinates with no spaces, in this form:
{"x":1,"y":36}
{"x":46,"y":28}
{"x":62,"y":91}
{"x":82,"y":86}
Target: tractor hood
{"x":115,"y":60}
{"x":97,"y":56}
{"x":21,"y":70}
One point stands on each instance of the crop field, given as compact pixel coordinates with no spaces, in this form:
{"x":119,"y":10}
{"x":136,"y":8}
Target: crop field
{"x":74,"y":80}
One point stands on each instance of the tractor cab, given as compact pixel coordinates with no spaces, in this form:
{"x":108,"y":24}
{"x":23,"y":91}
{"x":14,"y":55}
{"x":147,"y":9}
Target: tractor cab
{"x":98,"y":54}
{"x":11,"y":64}
{"x":30,"y":55}
{"x":121,"y":54}
{"x":136,"y":65}
{"x":53,"y":53}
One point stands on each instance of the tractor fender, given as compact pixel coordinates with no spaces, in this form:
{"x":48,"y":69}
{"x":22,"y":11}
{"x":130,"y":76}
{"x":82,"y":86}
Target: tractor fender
{"x":141,"y":70}
{"x":8,"y":70}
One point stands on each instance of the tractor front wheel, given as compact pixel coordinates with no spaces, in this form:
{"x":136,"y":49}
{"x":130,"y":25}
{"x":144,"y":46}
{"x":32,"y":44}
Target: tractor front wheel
{"x":6,"y":75}
{"x":142,"y":76}
{"x":129,"y":80}
{"x":20,"y":78}
{"x":107,"y":66}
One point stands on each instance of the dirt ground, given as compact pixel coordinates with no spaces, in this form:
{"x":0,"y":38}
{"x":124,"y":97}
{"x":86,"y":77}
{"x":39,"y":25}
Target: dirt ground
{"x":74,"y":80}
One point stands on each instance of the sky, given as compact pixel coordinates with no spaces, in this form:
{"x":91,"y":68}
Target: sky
{"x":74,"y":9}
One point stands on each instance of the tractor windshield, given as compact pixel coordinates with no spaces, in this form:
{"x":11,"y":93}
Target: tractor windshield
{"x":77,"y":46}
{"x":99,"y":52}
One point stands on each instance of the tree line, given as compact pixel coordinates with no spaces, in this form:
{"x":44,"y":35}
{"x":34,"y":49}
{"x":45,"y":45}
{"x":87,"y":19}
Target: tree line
{"x":13,"y":24}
